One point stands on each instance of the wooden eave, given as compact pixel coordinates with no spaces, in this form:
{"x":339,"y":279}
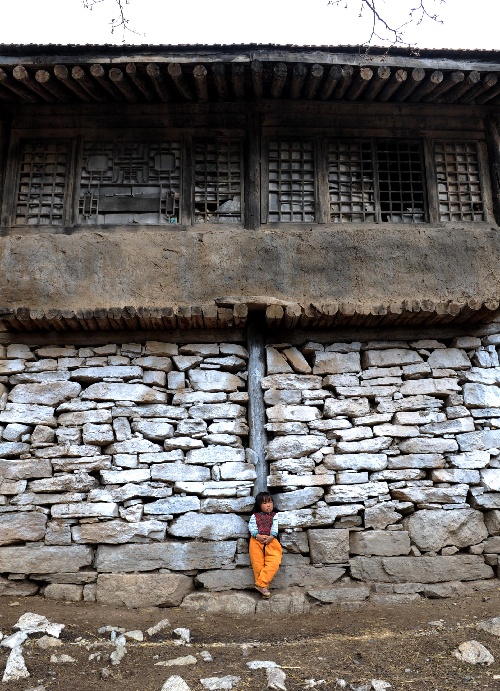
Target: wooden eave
{"x":159,"y":74}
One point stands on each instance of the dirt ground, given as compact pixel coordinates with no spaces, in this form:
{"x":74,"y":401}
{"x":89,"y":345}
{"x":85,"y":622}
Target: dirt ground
{"x":408,"y":646}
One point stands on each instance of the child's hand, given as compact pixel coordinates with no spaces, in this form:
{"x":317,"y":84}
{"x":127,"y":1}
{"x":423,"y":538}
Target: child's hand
{"x":262,"y":539}
{"x":269,"y":538}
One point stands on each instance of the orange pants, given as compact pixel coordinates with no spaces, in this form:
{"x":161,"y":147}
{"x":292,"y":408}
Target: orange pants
{"x":265,"y":560}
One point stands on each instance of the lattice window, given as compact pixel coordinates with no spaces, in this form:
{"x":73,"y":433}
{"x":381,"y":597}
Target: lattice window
{"x":42,"y":183}
{"x":350,"y":181}
{"x":376,"y":181}
{"x":217,"y":180}
{"x":459,"y":181}
{"x":291,"y":180}
{"x":130,"y":182}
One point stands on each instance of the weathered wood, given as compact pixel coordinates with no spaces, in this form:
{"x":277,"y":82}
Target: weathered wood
{"x":344,"y":82}
{"x":45,"y":79}
{"x":427,"y":86}
{"x":62,"y":74}
{"x":492,"y":139}
{"x":21,"y":74}
{"x":200,"y":82}
{"x":153,"y":72}
{"x":252,"y":165}
{"x":379,"y":80}
{"x":459,"y":89}
{"x":101,"y":317}
{"x":313,"y":81}
{"x":90,"y":86}
{"x":257,"y":438}
{"x":175,"y":72}
{"x":416,"y":76}
{"x":395,"y":82}
{"x":489,"y":89}
{"x":118,"y":78}
{"x":449,"y":81}
{"x":183,"y":313}
{"x":240,"y":315}
{"x":362,"y":80}
{"x":138,"y":81}
{"x":274,"y":315}
{"x":219,"y":72}
{"x":238,"y":79}
{"x":16,"y":88}
{"x":333,"y":77}
{"x":299,"y":75}
{"x":98,"y":73}
{"x":279,"y":78}
{"x":209,"y":316}
{"x":256,"y":70}
{"x":224,"y":317}
{"x":168,"y":318}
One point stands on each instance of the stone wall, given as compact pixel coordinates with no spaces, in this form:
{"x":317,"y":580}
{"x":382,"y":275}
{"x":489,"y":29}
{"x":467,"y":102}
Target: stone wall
{"x":125,"y":474}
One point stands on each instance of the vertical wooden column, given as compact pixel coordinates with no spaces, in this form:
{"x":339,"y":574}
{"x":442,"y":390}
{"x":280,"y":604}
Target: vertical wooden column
{"x":252,"y":169}
{"x":256,"y":408}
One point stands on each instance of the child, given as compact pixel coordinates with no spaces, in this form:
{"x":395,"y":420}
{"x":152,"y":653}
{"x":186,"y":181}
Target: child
{"x":265,"y":550}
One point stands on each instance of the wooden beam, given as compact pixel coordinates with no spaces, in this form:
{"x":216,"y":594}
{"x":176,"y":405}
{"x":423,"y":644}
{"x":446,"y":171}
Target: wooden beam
{"x":333,"y":77}
{"x":381,"y":76}
{"x":154,"y":73}
{"x":483,"y":92}
{"x":362,"y":80}
{"x":279,"y":79}
{"x":344,"y":82}
{"x":98,"y":73}
{"x":313,"y":81}
{"x":49,"y":82}
{"x":449,"y":81}
{"x":238,"y":79}
{"x":427,"y":86}
{"x":138,"y":81}
{"x":21,"y":74}
{"x":459,"y":89}
{"x":219,"y":72}
{"x":257,"y":438}
{"x":257,"y":79}
{"x":121,"y":83}
{"x":200,"y":82}
{"x":175,"y":72}
{"x":62,"y":74}
{"x":89,"y":85}
{"x":298,"y":79}
{"x":393,"y":84}
{"x":16,"y":88}
{"x":416,"y":76}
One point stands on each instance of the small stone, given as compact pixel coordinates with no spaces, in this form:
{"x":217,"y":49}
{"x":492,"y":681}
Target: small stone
{"x":15,"y":667}
{"x":178,"y":661}
{"x":61,"y":659}
{"x":275,"y":678}
{"x":473,"y":653}
{"x":184,"y":635}
{"x":160,"y":626}
{"x":261,"y":664}
{"x":46,"y":642}
{"x":214,"y":683}
{"x":175,"y":683}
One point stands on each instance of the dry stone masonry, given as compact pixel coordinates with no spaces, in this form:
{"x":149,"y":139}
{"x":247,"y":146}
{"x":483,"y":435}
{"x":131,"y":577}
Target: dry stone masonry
{"x":126,"y":474}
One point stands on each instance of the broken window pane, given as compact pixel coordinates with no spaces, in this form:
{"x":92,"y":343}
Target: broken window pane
{"x":217,"y":181}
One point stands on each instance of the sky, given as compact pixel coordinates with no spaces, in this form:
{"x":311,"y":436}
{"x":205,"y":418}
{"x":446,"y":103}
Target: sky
{"x":465,"y":24}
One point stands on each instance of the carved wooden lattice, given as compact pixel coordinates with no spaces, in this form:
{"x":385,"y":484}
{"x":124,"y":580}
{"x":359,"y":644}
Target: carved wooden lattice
{"x":376,"y":181}
{"x":130,"y":182}
{"x":459,"y":181}
{"x":42,"y":183}
{"x":291,"y":180}
{"x":217,"y":180}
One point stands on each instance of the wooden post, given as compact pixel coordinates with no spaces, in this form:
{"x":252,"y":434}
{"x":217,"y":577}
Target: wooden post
{"x":257,"y":438}
{"x":279,"y":78}
{"x":200,"y":82}
{"x":399,"y":77}
{"x":238,"y":79}
{"x":258,"y":85}
{"x":381,"y":76}
{"x":313,"y":81}
{"x":298,"y":78}
{"x":153,"y":72}
{"x":345,"y":81}
{"x":333,"y":76}
{"x":16,"y":87}
{"x":118,"y":78}
{"x":137,"y":79}
{"x":175,"y":71}
{"x":448,"y":83}
{"x":459,"y":89}
{"x":360,"y":83}
{"x":252,"y":169}
{"x":219,"y":72}
{"x":482,"y":90}
{"x":493,"y":144}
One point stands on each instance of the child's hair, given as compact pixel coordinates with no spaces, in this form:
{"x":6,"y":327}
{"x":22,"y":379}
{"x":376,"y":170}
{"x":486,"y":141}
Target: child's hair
{"x":261,"y":498}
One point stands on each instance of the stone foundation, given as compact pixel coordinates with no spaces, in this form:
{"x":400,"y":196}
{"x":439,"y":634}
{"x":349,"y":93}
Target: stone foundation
{"x":126,"y":477}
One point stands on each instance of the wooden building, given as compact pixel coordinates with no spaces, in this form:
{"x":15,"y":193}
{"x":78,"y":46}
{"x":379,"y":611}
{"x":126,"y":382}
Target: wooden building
{"x":226,"y":267}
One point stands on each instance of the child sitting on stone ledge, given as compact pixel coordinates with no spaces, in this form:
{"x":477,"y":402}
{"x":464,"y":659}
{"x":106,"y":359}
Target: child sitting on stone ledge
{"x":264,"y":548}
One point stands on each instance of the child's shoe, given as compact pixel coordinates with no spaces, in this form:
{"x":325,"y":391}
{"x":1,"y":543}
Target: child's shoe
{"x":265,"y":592}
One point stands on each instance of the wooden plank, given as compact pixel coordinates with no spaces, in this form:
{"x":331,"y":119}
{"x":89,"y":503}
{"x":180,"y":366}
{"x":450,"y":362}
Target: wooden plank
{"x":118,"y":78}
{"x":492,"y":143}
{"x":154,"y":73}
{"x":175,"y":72}
{"x":257,"y":438}
{"x":313,"y":81}
{"x":200,"y":82}
{"x":21,"y":74}
{"x":279,"y":78}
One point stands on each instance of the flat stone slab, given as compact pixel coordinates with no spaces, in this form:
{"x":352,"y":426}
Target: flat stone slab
{"x":137,"y":393}
{"x":463,"y":567}
{"x":42,"y":559}
{"x":143,"y":590}
{"x":431,"y":530}
{"x":118,"y":532}
{"x":220,"y":526}
{"x":25,"y":526}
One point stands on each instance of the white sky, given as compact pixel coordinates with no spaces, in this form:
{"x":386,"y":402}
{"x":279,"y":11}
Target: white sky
{"x":466,"y":23}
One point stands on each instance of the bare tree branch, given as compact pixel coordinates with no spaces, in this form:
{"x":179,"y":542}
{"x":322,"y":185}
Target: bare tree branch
{"x":386,"y":31}
{"x":119,"y":22}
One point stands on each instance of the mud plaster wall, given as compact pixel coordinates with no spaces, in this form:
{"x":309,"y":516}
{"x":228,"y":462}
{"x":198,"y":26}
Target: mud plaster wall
{"x":375,"y":265}
{"x":125,"y":474}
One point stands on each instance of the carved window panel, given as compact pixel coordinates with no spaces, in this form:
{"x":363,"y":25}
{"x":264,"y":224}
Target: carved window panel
{"x":379,"y":180}
{"x":217,"y":181}
{"x":41,"y":192}
{"x":130,"y":182}
{"x":291,"y":180}
{"x":458,"y":173}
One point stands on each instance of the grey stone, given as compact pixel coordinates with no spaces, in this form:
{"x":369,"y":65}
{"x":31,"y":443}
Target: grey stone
{"x":154,"y":362}
{"x":390,"y":357}
{"x":215,"y":454}
{"x":276,"y":363}
{"x":297,"y":360}
{"x":294,"y":446}
{"x":456,"y":426}
{"x":176,"y":555}
{"x":381,"y":515}
{"x":425,"y":445}
{"x":456,"y":494}
{"x":150,"y":410}
{"x":28,"y":414}
{"x":382,"y":543}
{"x":172,"y":505}
{"x":214,"y":380}
{"x":437,"y":387}
{"x":481,"y":396}
{"x":398,"y":475}
{"x":8,"y":367}
{"x":464,"y":567}
{"x":339,"y":594}
{"x":409,"y":403}
{"x":137,"y":393}
{"x":8,"y":449}
{"x":298,"y":499}
{"x":96,"y":416}
{"x":329,"y":546}
{"x":122,"y":477}
{"x":343,"y":494}
{"x":26,"y":526}
{"x":364,"y":446}
{"x":85,"y":510}
{"x":285,"y":479}
{"x":83,"y":463}
{"x":456,"y":475}
{"x":97,"y":435}
{"x":36,"y":559}
{"x":80,"y":482}
{"x":490,"y":479}
{"x":336,"y":363}
{"x":401,"y":431}
{"x":479,"y":441}
{"x":237,"y":471}
{"x":183,"y":443}
{"x":316,"y":517}
{"x":453,"y":358}
{"x":143,"y":590}
{"x":418,"y":417}
{"x":118,"y":532}
{"x":209,"y":526}
{"x":473,"y":653}
{"x":291,"y":381}
{"x":227,"y":505}
{"x":220,"y":603}
{"x":49,"y":394}
{"x":64,"y":591}
{"x":14,"y":432}
{"x":15,"y":667}
{"x":492,"y":522}
{"x":135,"y":445}
{"x":212,"y":411}
{"x":179,"y":472}
{"x":416,"y":460}
{"x":294,"y":413}
{"x":355,"y":461}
